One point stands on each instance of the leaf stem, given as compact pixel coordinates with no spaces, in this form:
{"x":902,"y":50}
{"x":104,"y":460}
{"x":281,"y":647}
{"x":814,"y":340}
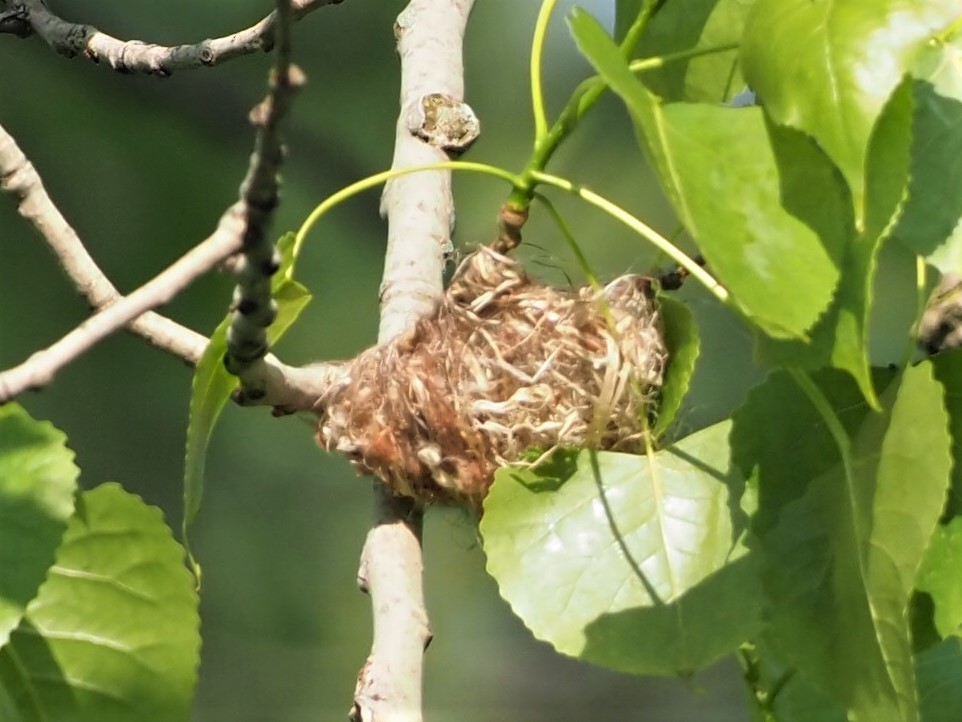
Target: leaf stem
{"x":644,"y":230}
{"x":537,"y":52}
{"x":377,"y":179}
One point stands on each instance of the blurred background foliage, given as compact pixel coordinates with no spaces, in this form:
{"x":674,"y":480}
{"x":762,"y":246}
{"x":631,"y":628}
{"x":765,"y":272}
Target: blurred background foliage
{"x":142,"y":168}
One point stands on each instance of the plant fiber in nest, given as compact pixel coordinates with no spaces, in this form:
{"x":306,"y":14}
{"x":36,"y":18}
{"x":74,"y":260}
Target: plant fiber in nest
{"x":504,"y":365}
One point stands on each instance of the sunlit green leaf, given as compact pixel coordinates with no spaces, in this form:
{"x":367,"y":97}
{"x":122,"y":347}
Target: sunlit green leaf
{"x":38,"y":479}
{"x":681,"y":340}
{"x":828,"y":68}
{"x":765,"y":206}
{"x":213,"y":385}
{"x":693,"y":25}
{"x":940,"y":578}
{"x":840,"y":338}
{"x":626,"y":561}
{"x":113,"y":634}
{"x":842,"y":540}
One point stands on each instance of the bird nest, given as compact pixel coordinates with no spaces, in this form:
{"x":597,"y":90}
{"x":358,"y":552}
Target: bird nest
{"x":505,"y":365}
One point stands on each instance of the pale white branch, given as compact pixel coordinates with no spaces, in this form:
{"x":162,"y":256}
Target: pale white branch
{"x":420,"y":213}
{"x":134,"y":56}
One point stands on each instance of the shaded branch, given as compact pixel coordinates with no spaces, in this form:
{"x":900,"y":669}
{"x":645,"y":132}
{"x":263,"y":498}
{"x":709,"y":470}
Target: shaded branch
{"x":253,"y":307}
{"x":420,"y":213}
{"x":33,"y":17}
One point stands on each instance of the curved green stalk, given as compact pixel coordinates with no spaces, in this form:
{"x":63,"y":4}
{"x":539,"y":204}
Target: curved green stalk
{"x":377,"y":179}
{"x":537,"y":52}
{"x":644,"y":230}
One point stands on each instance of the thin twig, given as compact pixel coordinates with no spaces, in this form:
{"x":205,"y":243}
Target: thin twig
{"x":29,"y":17}
{"x":253,"y":308}
{"x":420,"y":214}
{"x":38,"y":370}
{"x":286,"y":388}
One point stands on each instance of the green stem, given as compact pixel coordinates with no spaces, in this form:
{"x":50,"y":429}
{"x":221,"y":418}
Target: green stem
{"x":537,"y":52}
{"x":644,"y":230}
{"x":377,"y":179}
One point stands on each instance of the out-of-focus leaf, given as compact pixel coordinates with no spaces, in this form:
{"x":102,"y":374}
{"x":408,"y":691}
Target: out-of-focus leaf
{"x":213,"y":385}
{"x":113,"y":634}
{"x":626,"y":561}
{"x":38,"y":479}
{"x":765,"y":205}
{"x":843,"y":535}
{"x":681,"y":339}
{"x":828,"y":68}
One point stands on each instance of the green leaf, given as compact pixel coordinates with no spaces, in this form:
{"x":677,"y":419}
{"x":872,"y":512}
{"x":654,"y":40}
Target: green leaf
{"x":681,"y":340}
{"x":840,"y":338}
{"x":948,"y":370}
{"x":929,"y":225}
{"x":113,"y":634}
{"x":940,"y":578}
{"x":626,"y":561}
{"x":213,"y":385}
{"x":827,"y":68}
{"x":843,"y":535}
{"x":765,"y":206}
{"x":38,"y":479}
{"x":626,"y":12}
{"x":939,"y":670}
{"x":687,"y":27}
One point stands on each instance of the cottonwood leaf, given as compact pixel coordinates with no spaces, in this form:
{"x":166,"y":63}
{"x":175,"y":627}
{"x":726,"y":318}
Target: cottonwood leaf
{"x":38,"y":479}
{"x":626,"y":561}
{"x":766,"y":207}
{"x":113,"y":634}
{"x":939,"y":577}
{"x":680,"y":27}
{"x":840,"y":338}
{"x":682,"y":342}
{"x":939,"y":670}
{"x":948,"y":370}
{"x":212,"y":385}
{"x":828,"y":68}
{"x":842,"y":539}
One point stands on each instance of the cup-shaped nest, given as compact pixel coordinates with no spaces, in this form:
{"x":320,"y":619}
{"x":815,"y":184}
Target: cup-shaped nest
{"x":505,"y":365}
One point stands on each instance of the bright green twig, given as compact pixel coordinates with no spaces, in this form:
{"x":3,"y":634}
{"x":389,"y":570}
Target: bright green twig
{"x":378,"y":178}
{"x":537,"y":52}
{"x":660,"y":61}
{"x":644,"y":230}
{"x":921,"y":302}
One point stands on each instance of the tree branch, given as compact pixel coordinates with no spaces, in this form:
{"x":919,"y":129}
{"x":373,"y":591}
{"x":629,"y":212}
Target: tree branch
{"x":253,"y":308}
{"x":28,"y":17}
{"x":289,"y":389}
{"x":420,"y":214}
